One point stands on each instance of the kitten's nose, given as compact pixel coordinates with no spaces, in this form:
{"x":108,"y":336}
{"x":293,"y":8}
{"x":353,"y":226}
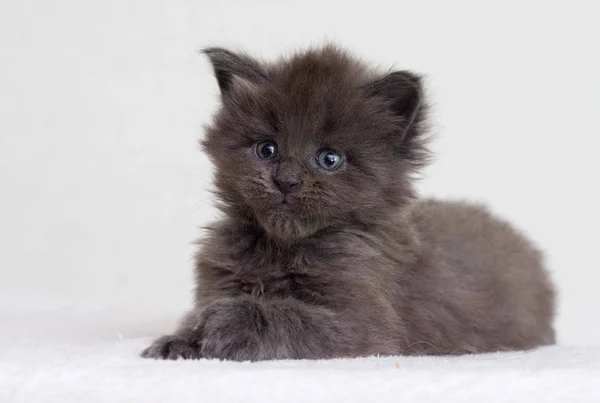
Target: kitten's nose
{"x":288,"y":185}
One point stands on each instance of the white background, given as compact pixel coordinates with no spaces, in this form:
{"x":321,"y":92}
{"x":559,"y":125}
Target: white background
{"x":102,"y":187}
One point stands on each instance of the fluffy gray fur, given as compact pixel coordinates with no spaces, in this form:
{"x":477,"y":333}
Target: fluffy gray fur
{"x":313,"y":262}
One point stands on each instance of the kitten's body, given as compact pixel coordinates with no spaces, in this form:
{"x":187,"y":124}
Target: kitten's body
{"x":350,"y":263}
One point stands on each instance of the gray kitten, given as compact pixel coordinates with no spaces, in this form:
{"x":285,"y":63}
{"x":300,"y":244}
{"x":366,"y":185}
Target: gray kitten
{"x":325,"y":251}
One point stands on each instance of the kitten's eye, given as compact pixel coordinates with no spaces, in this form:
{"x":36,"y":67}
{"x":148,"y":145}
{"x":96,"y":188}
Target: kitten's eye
{"x":329,"y":160}
{"x":266,"y":150}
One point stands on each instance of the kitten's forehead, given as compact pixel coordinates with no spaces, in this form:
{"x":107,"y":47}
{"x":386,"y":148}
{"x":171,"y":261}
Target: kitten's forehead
{"x":318,"y":93}
{"x":327,"y":67}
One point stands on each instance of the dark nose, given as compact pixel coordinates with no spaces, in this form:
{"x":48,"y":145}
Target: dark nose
{"x":288,"y":185}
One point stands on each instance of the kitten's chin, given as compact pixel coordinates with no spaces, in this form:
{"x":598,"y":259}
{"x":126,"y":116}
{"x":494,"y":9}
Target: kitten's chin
{"x":282,"y":224}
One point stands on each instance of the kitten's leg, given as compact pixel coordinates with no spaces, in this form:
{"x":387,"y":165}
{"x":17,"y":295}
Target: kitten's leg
{"x":250,"y":329}
{"x":253,"y":329}
{"x":185,"y":343}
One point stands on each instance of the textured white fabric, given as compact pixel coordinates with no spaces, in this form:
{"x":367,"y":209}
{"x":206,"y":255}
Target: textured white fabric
{"x":88,"y":354}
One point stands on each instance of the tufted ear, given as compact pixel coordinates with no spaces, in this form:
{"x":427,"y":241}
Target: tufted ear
{"x":404,"y":93}
{"x":404,"y":96}
{"x":228,"y":65}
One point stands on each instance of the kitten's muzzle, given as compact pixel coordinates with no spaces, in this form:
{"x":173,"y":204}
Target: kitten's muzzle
{"x":287,"y":186}
{"x":287,"y":177}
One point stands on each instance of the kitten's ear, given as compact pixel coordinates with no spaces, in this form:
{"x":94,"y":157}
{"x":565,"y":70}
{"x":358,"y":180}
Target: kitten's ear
{"x":404,"y":92}
{"x":228,"y":65}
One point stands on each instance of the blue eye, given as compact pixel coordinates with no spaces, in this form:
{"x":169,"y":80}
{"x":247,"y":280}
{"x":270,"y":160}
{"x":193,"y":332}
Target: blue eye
{"x":329,"y":160}
{"x":266,"y":150}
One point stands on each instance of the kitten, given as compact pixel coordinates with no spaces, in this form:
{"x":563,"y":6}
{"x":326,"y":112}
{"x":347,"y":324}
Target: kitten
{"x":325,"y":251}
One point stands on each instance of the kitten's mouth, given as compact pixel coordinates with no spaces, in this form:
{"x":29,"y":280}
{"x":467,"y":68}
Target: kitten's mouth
{"x":285,"y":200}
{"x":284,"y":204}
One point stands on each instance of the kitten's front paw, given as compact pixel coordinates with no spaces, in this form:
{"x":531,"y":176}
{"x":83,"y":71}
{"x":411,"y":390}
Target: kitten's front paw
{"x":233,"y":330}
{"x":172,"y":348}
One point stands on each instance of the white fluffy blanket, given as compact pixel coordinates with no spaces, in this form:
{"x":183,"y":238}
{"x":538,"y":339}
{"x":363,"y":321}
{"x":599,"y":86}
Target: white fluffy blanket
{"x":88,"y":355}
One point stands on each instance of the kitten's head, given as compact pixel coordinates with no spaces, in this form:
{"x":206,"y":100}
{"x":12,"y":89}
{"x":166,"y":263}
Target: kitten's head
{"x":313,"y":141}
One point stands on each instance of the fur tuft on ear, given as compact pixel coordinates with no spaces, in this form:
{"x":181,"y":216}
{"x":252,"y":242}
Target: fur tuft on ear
{"x":228,"y":65}
{"x":403,"y":92}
